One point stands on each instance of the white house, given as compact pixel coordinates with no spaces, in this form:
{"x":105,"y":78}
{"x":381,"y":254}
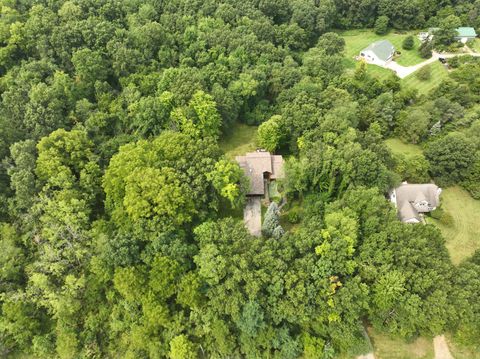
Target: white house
{"x":465,"y":34}
{"x":378,"y":53}
{"x":412,"y":200}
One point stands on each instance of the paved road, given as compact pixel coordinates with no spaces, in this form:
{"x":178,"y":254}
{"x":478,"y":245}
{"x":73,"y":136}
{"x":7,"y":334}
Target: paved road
{"x":404,"y":71}
{"x":441,"y":348}
{"x":252,"y":216}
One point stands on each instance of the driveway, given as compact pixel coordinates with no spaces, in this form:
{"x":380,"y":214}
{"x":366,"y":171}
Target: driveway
{"x":441,"y":348}
{"x":404,"y":71}
{"x":252,"y":216}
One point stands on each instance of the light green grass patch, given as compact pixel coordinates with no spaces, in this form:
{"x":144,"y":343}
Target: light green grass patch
{"x":476,"y":45}
{"x":397,"y":146}
{"x":387,"y":347}
{"x":461,"y":352}
{"x":438,"y":74}
{"x":463,"y":237}
{"x":357,"y":40}
{"x":242,"y":139}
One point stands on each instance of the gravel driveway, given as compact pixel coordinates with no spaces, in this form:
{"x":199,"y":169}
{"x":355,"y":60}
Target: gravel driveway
{"x":404,"y":71}
{"x":252,"y":216}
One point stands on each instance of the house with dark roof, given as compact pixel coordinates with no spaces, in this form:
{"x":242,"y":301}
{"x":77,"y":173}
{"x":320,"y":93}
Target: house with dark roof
{"x":260,"y":167}
{"x":413,"y":200}
{"x":378,"y":53}
{"x":465,"y":34}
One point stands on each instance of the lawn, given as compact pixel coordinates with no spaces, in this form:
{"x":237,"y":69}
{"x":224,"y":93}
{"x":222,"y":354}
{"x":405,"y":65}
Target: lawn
{"x":461,"y":352}
{"x":357,"y":40}
{"x":476,"y":45}
{"x":387,"y":347}
{"x":397,"y":146}
{"x":463,"y":237}
{"x":439,"y":73}
{"x":242,"y":139}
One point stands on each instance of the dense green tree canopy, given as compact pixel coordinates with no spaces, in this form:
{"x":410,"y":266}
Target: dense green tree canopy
{"x":121,"y":224}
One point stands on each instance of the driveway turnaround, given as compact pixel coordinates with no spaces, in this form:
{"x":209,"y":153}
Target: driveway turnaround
{"x":404,"y":71}
{"x":252,"y":216}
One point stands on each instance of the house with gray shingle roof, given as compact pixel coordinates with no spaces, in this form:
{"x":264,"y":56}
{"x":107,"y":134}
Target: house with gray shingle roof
{"x":378,"y":53}
{"x":412,"y":200}
{"x":260,"y":167}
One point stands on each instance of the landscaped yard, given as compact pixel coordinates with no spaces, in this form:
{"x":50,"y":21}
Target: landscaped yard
{"x":357,"y":40}
{"x":399,"y":147}
{"x":392,"y":348}
{"x":240,"y":141}
{"x":463,"y":237}
{"x":439,"y":73}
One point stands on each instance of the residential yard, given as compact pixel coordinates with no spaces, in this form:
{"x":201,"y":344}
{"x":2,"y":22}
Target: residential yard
{"x":240,"y":141}
{"x":393,"y":348}
{"x":357,"y":40}
{"x":397,"y":146}
{"x":463,"y":237}
{"x":439,"y":73}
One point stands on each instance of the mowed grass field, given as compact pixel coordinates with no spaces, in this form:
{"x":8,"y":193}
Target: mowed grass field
{"x":392,"y":348}
{"x":397,"y":146}
{"x":241,"y":139}
{"x":463,"y":237}
{"x":357,"y":40}
{"x":439,"y":73}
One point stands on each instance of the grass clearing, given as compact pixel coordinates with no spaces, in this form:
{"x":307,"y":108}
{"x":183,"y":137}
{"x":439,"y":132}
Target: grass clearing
{"x":461,"y":352}
{"x":463,"y":237}
{"x":439,"y":73}
{"x":240,"y":140}
{"x":387,"y":347}
{"x":357,"y":40}
{"x":475,"y":46}
{"x":398,"y":147}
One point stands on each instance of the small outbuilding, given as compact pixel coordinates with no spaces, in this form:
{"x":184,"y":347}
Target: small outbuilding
{"x":412,"y":200}
{"x":465,"y":34}
{"x":378,"y":53}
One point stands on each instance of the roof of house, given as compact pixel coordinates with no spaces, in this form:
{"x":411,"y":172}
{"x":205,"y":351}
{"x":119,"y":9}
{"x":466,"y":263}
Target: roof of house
{"x":466,"y":32}
{"x":383,"y":49}
{"x":409,"y":194}
{"x":255,"y":164}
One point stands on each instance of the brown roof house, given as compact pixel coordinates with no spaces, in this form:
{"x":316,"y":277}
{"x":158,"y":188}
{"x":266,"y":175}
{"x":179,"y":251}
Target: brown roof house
{"x":261,"y":167}
{"x":412,"y":200}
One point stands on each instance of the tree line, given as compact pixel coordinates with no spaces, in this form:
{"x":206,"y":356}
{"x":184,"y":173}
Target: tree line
{"x":115,"y":232}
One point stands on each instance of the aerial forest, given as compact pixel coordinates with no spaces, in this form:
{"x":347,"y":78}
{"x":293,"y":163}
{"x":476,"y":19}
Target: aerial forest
{"x":121,"y":225}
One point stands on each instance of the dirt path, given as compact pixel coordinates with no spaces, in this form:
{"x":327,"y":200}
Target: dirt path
{"x":366,"y":356}
{"x":441,"y":348}
{"x":404,"y":71}
{"x":252,"y":216}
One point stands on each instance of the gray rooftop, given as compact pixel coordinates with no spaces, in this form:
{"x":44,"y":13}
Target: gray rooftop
{"x":407,"y":195}
{"x":383,"y":49}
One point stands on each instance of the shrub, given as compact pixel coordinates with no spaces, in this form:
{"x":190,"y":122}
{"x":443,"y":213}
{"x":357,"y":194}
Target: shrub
{"x":294,"y":215}
{"x":437,"y":213}
{"x":408,"y":43}
{"x":446,"y":219}
{"x":426,"y":49}
{"x":381,"y":25}
{"x":425,"y":73}
{"x":453,"y":62}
